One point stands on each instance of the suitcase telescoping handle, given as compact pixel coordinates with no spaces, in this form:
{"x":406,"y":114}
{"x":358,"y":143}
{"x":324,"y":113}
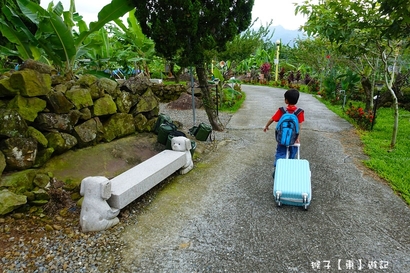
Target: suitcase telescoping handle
{"x":294,"y":145}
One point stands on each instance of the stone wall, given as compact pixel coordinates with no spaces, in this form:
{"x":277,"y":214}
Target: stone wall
{"x":43,"y":115}
{"x":168,"y":93}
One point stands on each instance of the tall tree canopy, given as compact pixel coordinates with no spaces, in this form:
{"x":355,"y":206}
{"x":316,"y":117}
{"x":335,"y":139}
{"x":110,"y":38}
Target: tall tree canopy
{"x":398,"y":11}
{"x":245,"y":44}
{"x":190,"y":29}
{"x":361,"y":28}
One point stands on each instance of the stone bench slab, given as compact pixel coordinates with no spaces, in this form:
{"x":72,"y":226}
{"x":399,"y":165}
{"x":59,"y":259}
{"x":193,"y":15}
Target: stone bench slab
{"x":136,"y":181}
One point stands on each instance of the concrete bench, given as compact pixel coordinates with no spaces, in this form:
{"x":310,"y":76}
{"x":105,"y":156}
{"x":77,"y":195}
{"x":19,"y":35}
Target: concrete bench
{"x":103,"y":198}
{"x":133,"y":183}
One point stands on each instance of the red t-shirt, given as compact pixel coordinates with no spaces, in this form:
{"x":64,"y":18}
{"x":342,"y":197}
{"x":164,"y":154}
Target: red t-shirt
{"x":301,"y":117}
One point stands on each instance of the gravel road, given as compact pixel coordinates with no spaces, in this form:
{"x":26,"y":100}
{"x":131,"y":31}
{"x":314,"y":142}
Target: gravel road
{"x":221,"y":216}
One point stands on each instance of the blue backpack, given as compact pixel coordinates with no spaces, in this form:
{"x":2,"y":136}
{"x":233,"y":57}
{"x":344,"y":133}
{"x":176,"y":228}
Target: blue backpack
{"x":287,"y":129}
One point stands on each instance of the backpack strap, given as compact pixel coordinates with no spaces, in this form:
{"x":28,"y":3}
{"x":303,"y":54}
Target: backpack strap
{"x":282,"y":109}
{"x":298,"y":111}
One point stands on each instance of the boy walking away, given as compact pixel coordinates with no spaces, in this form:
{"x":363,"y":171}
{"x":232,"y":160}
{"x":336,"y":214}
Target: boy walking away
{"x":288,"y":128}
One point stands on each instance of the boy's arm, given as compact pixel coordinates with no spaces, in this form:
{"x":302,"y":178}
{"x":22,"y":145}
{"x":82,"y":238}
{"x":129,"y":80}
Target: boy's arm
{"x":267,"y":125}
{"x":301,"y":118}
{"x":275,"y":117}
{"x":300,"y":130}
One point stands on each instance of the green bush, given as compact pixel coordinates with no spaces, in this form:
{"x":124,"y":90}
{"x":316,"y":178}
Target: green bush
{"x":406,"y":95}
{"x":231,"y":100}
{"x":304,"y":88}
{"x":363,"y":119}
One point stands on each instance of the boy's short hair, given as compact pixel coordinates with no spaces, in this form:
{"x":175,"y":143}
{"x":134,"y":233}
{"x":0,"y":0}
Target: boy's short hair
{"x":292,"y":95}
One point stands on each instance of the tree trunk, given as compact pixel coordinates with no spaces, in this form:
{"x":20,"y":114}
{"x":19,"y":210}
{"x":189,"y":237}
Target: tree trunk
{"x":396,"y":121}
{"x":207,"y":99}
{"x":367,"y":87}
{"x":389,"y":80}
{"x":175,"y":74}
{"x":396,"y":115}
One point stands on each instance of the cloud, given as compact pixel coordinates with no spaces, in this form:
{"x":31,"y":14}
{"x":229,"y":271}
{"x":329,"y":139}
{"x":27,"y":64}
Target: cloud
{"x":87,"y":8}
{"x":282,"y":12}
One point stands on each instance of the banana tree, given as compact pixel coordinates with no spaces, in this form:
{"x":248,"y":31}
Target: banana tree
{"x":99,"y":46}
{"x":13,"y":28}
{"x":138,"y":49}
{"x":55,"y":38}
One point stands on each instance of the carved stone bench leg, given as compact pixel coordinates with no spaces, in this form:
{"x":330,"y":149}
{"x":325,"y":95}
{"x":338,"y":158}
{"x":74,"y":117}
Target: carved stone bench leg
{"x":183,"y":144}
{"x":96,"y":214}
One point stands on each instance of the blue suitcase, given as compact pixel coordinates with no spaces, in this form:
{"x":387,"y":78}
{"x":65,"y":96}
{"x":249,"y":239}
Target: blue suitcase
{"x":292,"y":185}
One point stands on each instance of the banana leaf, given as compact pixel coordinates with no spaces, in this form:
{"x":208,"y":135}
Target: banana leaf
{"x":8,"y":52}
{"x":53,"y":35}
{"x":14,"y":37}
{"x":31,"y":10}
{"x":16,"y":32}
{"x":114,"y":10}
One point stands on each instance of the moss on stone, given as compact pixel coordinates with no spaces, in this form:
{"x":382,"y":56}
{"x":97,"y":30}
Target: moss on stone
{"x":28,"y":108}
{"x":104,"y":106}
{"x":80,"y":97}
{"x":37,"y":135}
{"x":19,"y":182}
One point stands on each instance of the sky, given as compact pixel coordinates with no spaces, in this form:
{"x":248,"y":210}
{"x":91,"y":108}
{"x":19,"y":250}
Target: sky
{"x":282,"y":12}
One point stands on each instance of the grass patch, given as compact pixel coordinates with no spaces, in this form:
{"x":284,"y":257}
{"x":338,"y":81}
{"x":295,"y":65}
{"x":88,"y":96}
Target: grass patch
{"x":390,"y":164}
{"x":234,"y":103}
{"x":167,"y":82}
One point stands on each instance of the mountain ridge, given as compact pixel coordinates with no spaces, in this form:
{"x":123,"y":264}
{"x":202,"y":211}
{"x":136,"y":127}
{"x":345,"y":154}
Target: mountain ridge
{"x":287,"y":37}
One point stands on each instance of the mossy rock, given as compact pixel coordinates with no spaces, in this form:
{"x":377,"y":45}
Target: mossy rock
{"x":104,"y":106}
{"x":31,"y":83}
{"x":19,"y":182}
{"x":80,"y":97}
{"x":28,"y":108}
{"x":37,"y":135}
{"x":10,"y":201}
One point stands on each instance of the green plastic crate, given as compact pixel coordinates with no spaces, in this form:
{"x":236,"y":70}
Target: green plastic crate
{"x":163,"y":132}
{"x":203,"y":132}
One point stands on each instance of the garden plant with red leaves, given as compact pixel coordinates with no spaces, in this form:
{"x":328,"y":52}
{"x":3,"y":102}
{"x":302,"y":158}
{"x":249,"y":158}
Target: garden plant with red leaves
{"x":265,"y":70}
{"x":363,"y":118}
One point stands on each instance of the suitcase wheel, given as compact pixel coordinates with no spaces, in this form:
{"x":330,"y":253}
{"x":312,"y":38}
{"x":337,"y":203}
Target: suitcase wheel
{"x":305,"y":200}
{"x":277,"y":198}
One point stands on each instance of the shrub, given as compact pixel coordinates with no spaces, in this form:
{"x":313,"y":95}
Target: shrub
{"x":362,"y":118}
{"x":314,"y":86}
{"x":265,"y":68}
{"x":304,"y":88}
{"x":231,"y":99}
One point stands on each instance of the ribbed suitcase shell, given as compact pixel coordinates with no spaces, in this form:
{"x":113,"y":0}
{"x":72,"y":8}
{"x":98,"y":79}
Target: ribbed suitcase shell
{"x":292,"y":182}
